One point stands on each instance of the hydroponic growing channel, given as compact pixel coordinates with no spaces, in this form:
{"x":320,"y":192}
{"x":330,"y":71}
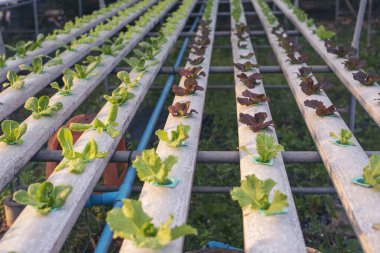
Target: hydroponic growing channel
{"x":131,"y":44}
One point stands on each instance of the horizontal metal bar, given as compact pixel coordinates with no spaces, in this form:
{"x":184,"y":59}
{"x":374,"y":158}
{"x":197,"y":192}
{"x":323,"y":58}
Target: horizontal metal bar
{"x":203,"y":156}
{"x":229,"y":69}
{"x":247,"y":13}
{"x":226,"y":33}
{"x":226,"y":189}
{"x":228,"y":86}
{"x":228,"y":46}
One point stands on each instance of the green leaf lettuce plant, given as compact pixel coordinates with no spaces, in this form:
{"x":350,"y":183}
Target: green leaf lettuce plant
{"x":150,"y":167}
{"x":12,"y":132}
{"x":40,"y":107}
{"x":324,"y":34}
{"x":371,"y":172}
{"x":266,"y":147}
{"x":15,"y":81}
{"x":100,"y":126}
{"x":76,"y":161}
{"x":43,"y":197}
{"x":177,"y":137}
{"x":132,"y":223}
{"x":343,"y":137}
{"x":254,"y":194}
{"x":67,"y":84}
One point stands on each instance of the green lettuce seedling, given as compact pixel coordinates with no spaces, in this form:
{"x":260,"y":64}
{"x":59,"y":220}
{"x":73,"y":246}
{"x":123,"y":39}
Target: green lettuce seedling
{"x":15,"y":81}
{"x":254,"y":194}
{"x":132,"y":223}
{"x":12,"y":132}
{"x":99,"y":126}
{"x":123,"y":76}
{"x":41,"y":108}
{"x":36,"y":67}
{"x":109,"y":49}
{"x":76,"y":161}
{"x":176,"y":137}
{"x":38,"y":43}
{"x":266,"y":147}
{"x":324,"y":34}
{"x":119,"y":96}
{"x":21,"y":48}
{"x":371,"y":172}
{"x":44,"y":197}
{"x":139,"y":65}
{"x":67,"y":84}
{"x":56,"y":60}
{"x":150,"y":167}
{"x":343,"y":137}
{"x":81,"y":71}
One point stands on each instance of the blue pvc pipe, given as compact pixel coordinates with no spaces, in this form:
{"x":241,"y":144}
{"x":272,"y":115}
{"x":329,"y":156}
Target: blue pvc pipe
{"x":125,"y":188}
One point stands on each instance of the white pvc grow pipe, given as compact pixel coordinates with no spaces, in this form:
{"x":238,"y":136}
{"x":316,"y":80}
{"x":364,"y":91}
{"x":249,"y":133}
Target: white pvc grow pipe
{"x":342,"y":163}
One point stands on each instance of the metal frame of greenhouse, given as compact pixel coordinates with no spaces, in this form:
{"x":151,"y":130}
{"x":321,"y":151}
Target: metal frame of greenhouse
{"x":33,"y":233}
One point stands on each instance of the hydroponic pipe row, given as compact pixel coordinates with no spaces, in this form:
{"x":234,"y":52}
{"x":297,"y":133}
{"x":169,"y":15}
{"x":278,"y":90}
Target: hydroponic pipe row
{"x":41,"y":75}
{"x":78,"y":85}
{"x":341,"y":153}
{"x":54,"y":228}
{"x":275,"y":227}
{"x":168,"y":194}
{"x":342,"y":59}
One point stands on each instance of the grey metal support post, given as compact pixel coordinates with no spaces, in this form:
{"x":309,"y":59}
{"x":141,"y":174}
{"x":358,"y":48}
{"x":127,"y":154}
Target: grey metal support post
{"x":356,"y":43}
{"x":35,"y":16}
{"x":369,"y":23}
{"x":2,"y":47}
{"x":101,"y":4}
{"x":80,"y":10}
{"x":337,"y":2}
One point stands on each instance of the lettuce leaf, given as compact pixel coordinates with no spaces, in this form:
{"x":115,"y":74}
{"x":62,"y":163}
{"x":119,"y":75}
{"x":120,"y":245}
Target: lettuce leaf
{"x":132,"y":223}
{"x":254,"y":193}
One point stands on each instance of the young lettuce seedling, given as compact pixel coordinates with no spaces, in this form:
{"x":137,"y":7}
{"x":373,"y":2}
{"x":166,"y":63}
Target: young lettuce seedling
{"x":56,"y":60}
{"x":254,"y":194}
{"x":123,"y":76}
{"x":41,"y":108}
{"x":139,"y":65}
{"x":67,"y":84}
{"x":108,"y":49}
{"x":119,"y":96}
{"x":141,"y":230}
{"x":36,"y":67}
{"x":266,"y":147}
{"x":37,"y":43}
{"x":343,"y":137}
{"x":100,"y":126}
{"x":150,"y":168}
{"x":371,"y":172}
{"x":76,"y":161}
{"x":324,"y":34}
{"x":12,"y":132}
{"x":43,"y":197}
{"x":15,"y":81}
{"x":81,"y":71}
{"x":21,"y":48}
{"x":177,"y":136}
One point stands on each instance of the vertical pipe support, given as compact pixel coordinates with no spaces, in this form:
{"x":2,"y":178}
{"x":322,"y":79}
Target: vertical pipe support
{"x":35,"y":17}
{"x":356,"y":43}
